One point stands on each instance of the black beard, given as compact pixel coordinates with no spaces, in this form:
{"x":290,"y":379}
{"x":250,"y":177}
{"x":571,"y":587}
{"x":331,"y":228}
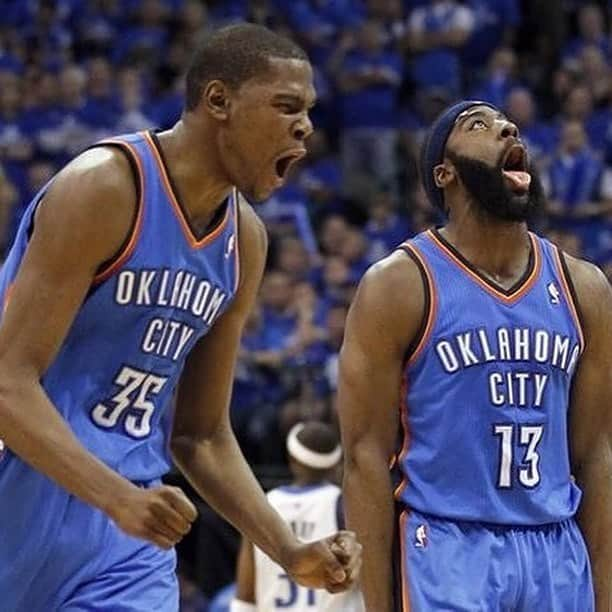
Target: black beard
{"x":492,"y":195}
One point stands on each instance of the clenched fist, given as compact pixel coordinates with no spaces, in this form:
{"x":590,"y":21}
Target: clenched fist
{"x":332,"y":563}
{"x":161,"y":515}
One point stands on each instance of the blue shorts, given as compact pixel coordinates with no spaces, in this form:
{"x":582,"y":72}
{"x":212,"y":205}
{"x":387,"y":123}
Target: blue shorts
{"x":88,"y":564}
{"x":455,"y":566}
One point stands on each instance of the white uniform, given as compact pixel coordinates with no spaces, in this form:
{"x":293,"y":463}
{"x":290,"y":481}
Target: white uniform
{"x":312,"y":513}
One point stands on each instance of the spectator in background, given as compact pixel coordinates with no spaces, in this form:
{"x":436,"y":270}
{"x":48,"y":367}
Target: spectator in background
{"x":520,"y":106}
{"x":293,"y":259}
{"x":8,"y":199}
{"x":96,"y":26}
{"x":577,"y":198}
{"x":144,"y":42}
{"x":385,"y":229}
{"x":354,"y":251}
{"x":368,"y":81}
{"x":72,"y":128}
{"x":591,"y":31}
{"x":101,"y":105}
{"x":133,"y":102}
{"x":38,"y":174}
{"x":499,"y":79}
{"x":15,"y":143}
{"x":495,"y":24}
{"x":332,"y":234}
{"x":595,"y":71}
{"x":436,"y":35}
{"x":578,"y":106}
{"x":390,"y":14}
{"x":192,"y":17}
{"x":319,"y":23}
{"x":320,"y":176}
{"x":338,"y":284}
{"x":336,"y":319}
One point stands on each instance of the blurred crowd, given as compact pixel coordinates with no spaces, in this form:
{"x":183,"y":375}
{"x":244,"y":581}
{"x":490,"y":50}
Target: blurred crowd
{"x":75,"y":71}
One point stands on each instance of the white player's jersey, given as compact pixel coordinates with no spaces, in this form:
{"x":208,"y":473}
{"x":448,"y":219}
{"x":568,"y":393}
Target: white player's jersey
{"x":312,"y":513}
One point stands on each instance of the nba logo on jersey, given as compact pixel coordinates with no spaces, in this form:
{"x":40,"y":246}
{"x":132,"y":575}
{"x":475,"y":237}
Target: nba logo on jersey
{"x":553,"y":291}
{"x":2,"y":449}
{"x":229,"y":247}
{"x":421,"y":537}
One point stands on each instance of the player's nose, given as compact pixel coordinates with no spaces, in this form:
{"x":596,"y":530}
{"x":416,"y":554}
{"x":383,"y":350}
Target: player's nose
{"x":302,"y":129}
{"x":508,"y":129}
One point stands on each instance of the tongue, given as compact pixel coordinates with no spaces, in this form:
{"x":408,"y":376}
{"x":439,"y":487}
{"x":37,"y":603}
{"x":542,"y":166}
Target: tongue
{"x":519,"y":179}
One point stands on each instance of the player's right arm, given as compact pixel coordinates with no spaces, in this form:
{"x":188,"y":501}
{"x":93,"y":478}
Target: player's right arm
{"x":82,"y":221}
{"x":383,"y":320}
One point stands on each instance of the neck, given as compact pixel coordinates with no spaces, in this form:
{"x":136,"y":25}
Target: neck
{"x":498,"y":248}
{"x":190,"y":152}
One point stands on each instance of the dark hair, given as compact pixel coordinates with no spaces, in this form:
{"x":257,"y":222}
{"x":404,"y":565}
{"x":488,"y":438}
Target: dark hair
{"x":233,"y":55}
{"x":318,"y":437}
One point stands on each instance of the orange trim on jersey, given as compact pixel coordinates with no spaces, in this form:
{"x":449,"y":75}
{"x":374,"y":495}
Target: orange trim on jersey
{"x":7,"y":296}
{"x":403,"y":562}
{"x":129,"y":247}
{"x":404,"y":421}
{"x":508,"y":299}
{"x":433,"y":303}
{"x":569,"y":296}
{"x":392,"y":461}
{"x":191,"y":239}
{"x":236,"y":240}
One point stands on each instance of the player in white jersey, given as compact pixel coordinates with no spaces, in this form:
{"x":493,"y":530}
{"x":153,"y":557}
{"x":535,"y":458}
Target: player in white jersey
{"x":312,"y":506}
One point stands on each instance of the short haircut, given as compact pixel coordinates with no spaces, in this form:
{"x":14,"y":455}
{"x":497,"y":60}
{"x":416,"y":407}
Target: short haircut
{"x":318,"y":437}
{"x":235,"y":54}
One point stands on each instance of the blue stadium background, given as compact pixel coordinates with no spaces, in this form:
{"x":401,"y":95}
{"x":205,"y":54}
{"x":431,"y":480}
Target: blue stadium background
{"x":74,"y":71}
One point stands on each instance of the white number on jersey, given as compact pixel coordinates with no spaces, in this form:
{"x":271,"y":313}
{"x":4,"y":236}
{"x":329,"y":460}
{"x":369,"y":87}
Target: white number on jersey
{"x":528,"y":473}
{"x":131,"y":403}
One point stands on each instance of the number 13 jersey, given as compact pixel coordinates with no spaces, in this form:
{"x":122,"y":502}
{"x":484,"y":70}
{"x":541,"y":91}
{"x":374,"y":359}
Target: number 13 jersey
{"x":485,"y":391}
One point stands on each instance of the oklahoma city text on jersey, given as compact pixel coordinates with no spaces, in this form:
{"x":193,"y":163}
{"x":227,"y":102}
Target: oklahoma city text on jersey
{"x":523,"y":388}
{"x":178,"y":290}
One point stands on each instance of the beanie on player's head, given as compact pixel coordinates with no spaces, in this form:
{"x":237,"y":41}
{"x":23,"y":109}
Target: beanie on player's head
{"x":432,"y":151}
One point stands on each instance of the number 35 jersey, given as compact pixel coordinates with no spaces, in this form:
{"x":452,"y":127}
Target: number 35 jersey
{"x":485,"y":391}
{"x":115,"y":373}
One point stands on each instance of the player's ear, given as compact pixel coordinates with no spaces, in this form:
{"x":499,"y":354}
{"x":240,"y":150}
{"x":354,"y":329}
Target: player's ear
{"x":443,"y":173}
{"x":216,"y":99}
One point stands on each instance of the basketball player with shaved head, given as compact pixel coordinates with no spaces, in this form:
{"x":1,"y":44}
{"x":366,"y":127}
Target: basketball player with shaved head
{"x":474,"y":397}
{"x":131,"y":278}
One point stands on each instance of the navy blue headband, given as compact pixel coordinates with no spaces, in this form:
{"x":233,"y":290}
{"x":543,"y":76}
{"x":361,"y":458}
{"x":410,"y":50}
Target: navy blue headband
{"x":432,"y":151}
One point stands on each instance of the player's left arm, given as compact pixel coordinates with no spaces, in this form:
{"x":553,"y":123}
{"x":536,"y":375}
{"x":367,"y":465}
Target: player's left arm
{"x":245,"y":579}
{"x":205,"y":449}
{"x":591,"y":423}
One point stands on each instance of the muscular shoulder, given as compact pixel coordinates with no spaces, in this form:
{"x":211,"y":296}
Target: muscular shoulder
{"x":593,"y":292}
{"x":91,"y":201}
{"x":391,"y":297}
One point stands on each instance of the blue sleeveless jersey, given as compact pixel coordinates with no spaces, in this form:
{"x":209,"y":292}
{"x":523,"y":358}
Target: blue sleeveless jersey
{"x":114,"y":377}
{"x":486,"y":389}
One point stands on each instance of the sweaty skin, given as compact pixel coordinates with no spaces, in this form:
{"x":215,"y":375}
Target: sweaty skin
{"x":386,"y":313}
{"x":232,"y":138}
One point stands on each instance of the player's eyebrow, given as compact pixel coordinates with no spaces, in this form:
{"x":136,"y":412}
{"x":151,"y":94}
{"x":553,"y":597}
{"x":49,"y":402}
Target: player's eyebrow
{"x":463,"y":117}
{"x":294,"y":99}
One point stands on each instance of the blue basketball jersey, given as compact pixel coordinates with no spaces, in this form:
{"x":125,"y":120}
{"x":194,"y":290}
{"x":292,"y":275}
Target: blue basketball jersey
{"x":115,"y":374}
{"x":485,"y":391}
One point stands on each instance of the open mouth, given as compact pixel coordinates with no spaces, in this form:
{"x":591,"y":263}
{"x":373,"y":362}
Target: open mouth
{"x":514,"y":168}
{"x":283,"y":163}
